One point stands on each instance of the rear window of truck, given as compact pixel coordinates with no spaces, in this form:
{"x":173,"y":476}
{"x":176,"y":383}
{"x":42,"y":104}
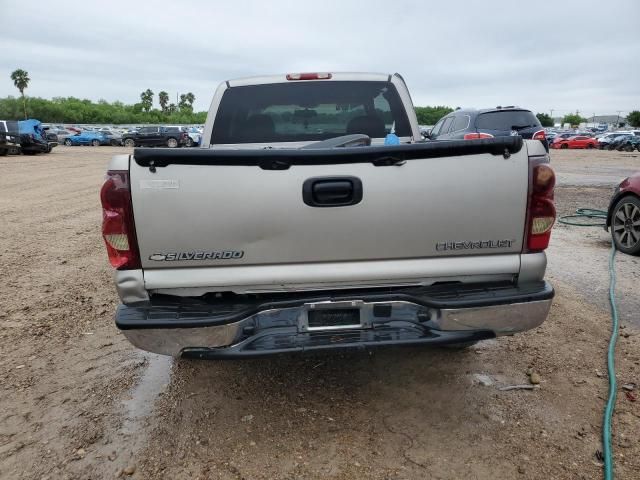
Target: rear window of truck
{"x":506,"y":120}
{"x":308,"y":111}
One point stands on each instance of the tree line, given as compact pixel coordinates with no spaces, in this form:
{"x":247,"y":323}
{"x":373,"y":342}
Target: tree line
{"x":185,"y":104}
{"x":575,"y":119}
{"x":571,"y":119}
{"x":75,"y":110}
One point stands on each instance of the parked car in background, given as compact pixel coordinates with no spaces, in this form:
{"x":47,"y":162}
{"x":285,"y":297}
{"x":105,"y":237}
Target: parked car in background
{"x":52,"y":139}
{"x":52,"y":126}
{"x":9,"y":137}
{"x":156,"y":137}
{"x":628,"y":143}
{"x":578,"y":141}
{"x":61,"y":133}
{"x":550,"y":136}
{"x":604,"y":141}
{"x":425,"y":130}
{"x":564,"y":135}
{"x":94,"y":139}
{"x":613,"y":143}
{"x":33,"y":140}
{"x":623,"y":216}
{"x":469,"y":124}
{"x":114,"y":137}
{"x":624,"y":142}
{"x":195,"y":137}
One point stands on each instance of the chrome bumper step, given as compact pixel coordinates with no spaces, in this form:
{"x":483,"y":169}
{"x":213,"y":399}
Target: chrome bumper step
{"x":433,"y":315}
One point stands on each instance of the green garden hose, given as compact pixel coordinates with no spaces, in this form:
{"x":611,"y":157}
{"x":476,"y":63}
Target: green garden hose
{"x":588,"y":215}
{"x":611,"y":401}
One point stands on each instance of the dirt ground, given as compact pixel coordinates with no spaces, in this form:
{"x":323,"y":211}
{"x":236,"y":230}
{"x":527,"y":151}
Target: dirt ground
{"x":78,"y":402}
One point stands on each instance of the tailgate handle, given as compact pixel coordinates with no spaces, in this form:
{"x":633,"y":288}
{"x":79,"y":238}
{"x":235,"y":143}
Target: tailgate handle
{"x":332,"y":191}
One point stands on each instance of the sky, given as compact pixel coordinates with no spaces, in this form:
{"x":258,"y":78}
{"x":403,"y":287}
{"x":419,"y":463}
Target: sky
{"x":562,"y":56}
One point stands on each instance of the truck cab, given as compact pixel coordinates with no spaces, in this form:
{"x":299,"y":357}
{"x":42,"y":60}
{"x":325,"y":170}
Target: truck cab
{"x":295,"y":110}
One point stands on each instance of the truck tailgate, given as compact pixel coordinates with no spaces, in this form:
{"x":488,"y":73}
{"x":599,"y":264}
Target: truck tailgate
{"x":216,"y":209}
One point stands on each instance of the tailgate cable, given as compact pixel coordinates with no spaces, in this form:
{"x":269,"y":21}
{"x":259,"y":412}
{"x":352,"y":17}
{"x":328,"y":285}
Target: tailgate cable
{"x":591,"y":214}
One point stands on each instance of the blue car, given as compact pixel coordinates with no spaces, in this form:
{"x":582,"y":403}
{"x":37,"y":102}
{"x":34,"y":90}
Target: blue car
{"x":33,"y":139}
{"x":91,"y":138}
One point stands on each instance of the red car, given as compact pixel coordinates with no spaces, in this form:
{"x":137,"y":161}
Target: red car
{"x":624,"y":216}
{"x":575,"y":142}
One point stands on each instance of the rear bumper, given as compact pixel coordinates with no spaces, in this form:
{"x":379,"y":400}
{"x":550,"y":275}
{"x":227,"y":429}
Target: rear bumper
{"x":387,"y":317}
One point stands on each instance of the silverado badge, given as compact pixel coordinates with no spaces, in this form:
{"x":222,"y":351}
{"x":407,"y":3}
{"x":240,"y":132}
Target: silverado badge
{"x":198,"y":255}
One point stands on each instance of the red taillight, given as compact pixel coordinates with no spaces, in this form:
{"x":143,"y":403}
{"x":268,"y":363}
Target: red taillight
{"x":308,"y":76}
{"x":541,"y":214}
{"x":117,"y":221}
{"x":474,"y":136}
{"x":543,"y":180}
{"x":539,"y":135}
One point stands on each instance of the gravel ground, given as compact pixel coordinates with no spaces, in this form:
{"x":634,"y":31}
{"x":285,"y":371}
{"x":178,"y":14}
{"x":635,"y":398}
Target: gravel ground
{"x":79,"y":402}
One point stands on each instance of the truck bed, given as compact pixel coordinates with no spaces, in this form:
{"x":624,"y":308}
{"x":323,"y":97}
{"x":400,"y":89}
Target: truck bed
{"x":238,"y":220}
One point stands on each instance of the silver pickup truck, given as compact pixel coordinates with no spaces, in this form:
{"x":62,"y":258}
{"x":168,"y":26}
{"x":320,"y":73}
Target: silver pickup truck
{"x":314,"y":217}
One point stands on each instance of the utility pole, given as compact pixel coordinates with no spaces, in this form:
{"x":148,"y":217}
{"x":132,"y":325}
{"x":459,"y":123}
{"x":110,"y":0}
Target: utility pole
{"x":618,"y":119}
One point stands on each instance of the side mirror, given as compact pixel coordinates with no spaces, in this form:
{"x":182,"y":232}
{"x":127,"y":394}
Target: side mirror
{"x":426,"y":134}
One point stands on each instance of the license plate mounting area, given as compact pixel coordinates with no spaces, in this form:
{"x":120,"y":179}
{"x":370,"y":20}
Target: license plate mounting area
{"x":327,"y":316}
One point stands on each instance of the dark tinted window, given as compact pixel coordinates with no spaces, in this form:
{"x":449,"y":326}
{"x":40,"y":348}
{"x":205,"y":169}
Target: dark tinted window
{"x":506,"y":120}
{"x":438,"y":126}
{"x":10,"y":127}
{"x":173,"y":129}
{"x":461,"y":123}
{"x":148,"y":130}
{"x":308,"y":111}
{"x":446,"y":125}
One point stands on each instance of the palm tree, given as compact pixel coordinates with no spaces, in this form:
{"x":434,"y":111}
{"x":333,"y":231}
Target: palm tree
{"x":186,"y":102}
{"x":163,"y":98}
{"x":21,"y":81}
{"x":183,"y":105}
{"x":146,"y":98}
